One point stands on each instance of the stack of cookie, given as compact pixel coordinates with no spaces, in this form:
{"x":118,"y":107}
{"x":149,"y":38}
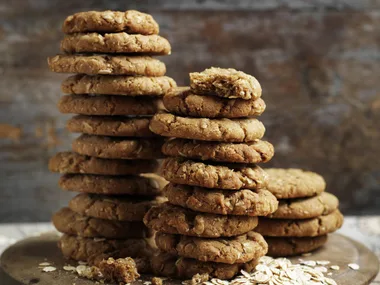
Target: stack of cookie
{"x":216,"y":189}
{"x":114,"y":96}
{"x":306,"y":214}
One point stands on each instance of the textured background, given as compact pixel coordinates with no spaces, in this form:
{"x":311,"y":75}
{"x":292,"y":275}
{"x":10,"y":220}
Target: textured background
{"x":318,"y":63}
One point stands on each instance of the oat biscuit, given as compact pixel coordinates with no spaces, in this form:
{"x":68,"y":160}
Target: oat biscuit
{"x":121,"y":208}
{"x":239,"y":249}
{"x":171,"y":219}
{"x":224,"y":130}
{"x":110,"y":185}
{"x":117,"y":85}
{"x":115,"y":43}
{"x":225,"y":82}
{"x":168,"y":265}
{"x":107,"y":65}
{"x":305,"y":208}
{"x":182,"y":101}
{"x":182,"y":171}
{"x":280,"y":246}
{"x":68,"y":222}
{"x":253,"y":152}
{"x":223,"y":202}
{"x":294,"y":183}
{"x":110,"y":126}
{"x":118,"y":148}
{"x":71,"y":162}
{"x":130,"y":21}
{"x":300,"y":228}
{"x":109,"y":105}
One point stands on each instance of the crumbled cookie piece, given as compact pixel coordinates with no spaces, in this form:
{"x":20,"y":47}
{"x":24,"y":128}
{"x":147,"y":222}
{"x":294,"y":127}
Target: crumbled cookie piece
{"x":119,"y":270}
{"x":157,"y":281}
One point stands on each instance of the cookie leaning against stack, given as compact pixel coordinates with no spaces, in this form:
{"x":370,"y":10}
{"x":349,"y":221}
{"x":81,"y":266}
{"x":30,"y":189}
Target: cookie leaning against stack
{"x":216,"y":190}
{"x":114,"y":97}
{"x":305,"y":215}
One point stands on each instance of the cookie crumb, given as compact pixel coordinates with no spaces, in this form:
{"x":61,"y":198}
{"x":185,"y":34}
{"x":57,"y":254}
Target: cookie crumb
{"x":157,"y":281}
{"x":120,"y":270}
{"x":354,"y":266}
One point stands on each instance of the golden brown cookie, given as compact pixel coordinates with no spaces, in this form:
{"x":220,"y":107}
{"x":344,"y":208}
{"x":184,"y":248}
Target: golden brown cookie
{"x":305,"y":208}
{"x":107,"y":65}
{"x":109,"y":105}
{"x":110,"y":126}
{"x":288,"y":246}
{"x":171,"y":219}
{"x":183,"y":102}
{"x":117,"y":85}
{"x":169,"y":265}
{"x":300,"y":228}
{"x":118,"y":148}
{"x":121,"y":208}
{"x":68,"y":222}
{"x":182,"y":171}
{"x":238,"y":249}
{"x":224,"y":202}
{"x":71,"y":162}
{"x":110,"y":185}
{"x":130,"y":21}
{"x":253,"y":152}
{"x":294,"y":183}
{"x":223,"y":130}
{"x":115,"y":43}
{"x":225,"y":82}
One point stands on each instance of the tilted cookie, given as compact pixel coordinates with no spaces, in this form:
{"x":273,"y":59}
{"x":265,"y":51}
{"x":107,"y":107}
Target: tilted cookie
{"x":238,"y":249}
{"x":117,"y":126}
{"x":71,"y":162}
{"x":118,"y":148}
{"x":224,"y":202}
{"x":305,"y":208}
{"x":182,"y":171}
{"x":68,"y":222}
{"x":109,"y":105}
{"x":115,"y":43}
{"x":117,"y":85}
{"x":171,"y":219}
{"x":182,"y":101}
{"x":225,"y":82}
{"x":252,"y":152}
{"x":300,"y":228}
{"x":223,"y":130}
{"x":107,"y":65}
{"x":130,"y":21}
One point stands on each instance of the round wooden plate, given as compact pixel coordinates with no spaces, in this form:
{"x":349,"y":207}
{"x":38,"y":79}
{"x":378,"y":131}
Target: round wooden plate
{"x":21,"y":262}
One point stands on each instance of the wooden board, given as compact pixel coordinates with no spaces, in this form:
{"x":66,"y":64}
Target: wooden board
{"x":22,"y":259}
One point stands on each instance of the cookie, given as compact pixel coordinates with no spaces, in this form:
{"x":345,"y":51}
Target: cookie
{"x":115,"y":43}
{"x":182,"y":171}
{"x":305,"y":208}
{"x":300,"y":228}
{"x":109,"y":185}
{"x":109,"y":105}
{"x":279,"y":246}
{"x":294,"y":183}
{"x":122,"y":208}
{"x":223,"y":130}
{"x":110,"y":126}
{"x":68,"y":222}
{"x":171,"y":219}
{"x":252,"y":152}
{"x":169,"y":265}
{"x":71,"y":162}
{"x":130,"y":21}
{"x":239,"y":249}
{"x":107,"y":65}
{"x":225,"y":82}
{"x":182,"y":101}
{"x":118,"y":148}
{"x":224,"y":202}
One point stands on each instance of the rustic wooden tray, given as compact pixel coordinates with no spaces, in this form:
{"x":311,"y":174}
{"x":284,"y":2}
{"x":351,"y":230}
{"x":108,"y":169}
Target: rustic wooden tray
{"x":21,"y":262}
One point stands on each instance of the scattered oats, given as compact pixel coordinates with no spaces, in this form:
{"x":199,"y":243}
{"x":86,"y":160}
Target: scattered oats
{"x":69,"y":268}
{"x":147,"y":283}
{"x":82,"y":263}
{"x":323,"y":262}
{"x":334,"y":267}
{"x":329,"y":274}
{"x":330,"y":281}
{"x":307,"y":254}
{"x":311,"y":263}
{"x":321,"y":268}
{"x":354,"y":266}
{"x":44,"y":264}
{"x":49,"y":269}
